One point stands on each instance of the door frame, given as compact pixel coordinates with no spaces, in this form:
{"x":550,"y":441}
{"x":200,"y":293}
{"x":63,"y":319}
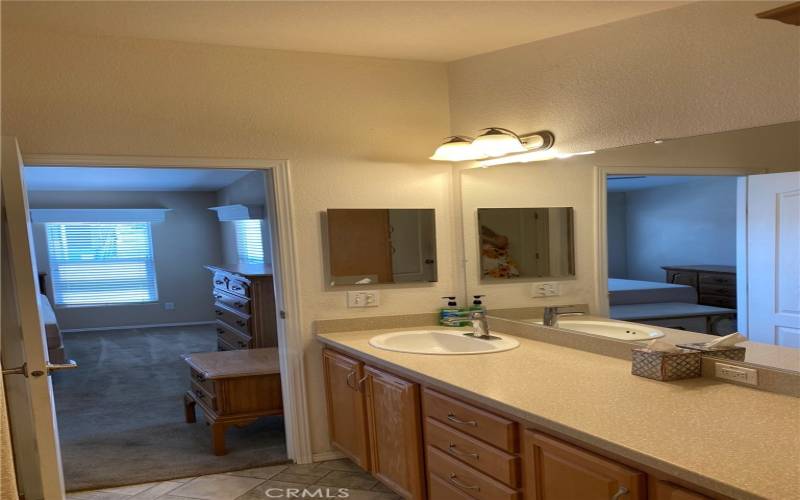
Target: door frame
{"x":290,"y":337}
{"x":601,"y":306}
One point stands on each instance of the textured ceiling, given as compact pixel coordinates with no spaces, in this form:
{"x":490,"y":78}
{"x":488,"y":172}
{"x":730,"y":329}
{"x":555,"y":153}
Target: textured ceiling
{"x":430,"y":31}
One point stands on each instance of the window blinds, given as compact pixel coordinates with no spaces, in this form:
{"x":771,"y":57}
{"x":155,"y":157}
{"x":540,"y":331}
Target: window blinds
{"x":249,"y":241}
{"x":101,"y":262}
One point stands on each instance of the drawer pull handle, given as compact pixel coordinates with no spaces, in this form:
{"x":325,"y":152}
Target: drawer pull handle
{"x":220,"y":330}
{"x":452,"y":448}
{"x":219,"y":313}
{"x":238,"y":304}
{"x":242,"y":344}
{"x":360,"y":383}
{"x":219,"y":282}
{"x":217,"y":296}
{"x":621,"y":492}
{"x":240,"y":322}
{"x":452,"y":417}
{"x":454,"y":479}
{"x":349,"y":379}
{"x":199,"y":394}
{"x":199,"y":377}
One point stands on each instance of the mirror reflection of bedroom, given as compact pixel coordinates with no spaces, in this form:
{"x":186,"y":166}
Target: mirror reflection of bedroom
{"x":672,"y":251}
{"x":157,"y":282}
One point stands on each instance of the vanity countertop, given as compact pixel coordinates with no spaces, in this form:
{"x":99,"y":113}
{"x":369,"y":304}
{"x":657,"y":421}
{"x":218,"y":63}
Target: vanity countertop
{"x":739,"y":442}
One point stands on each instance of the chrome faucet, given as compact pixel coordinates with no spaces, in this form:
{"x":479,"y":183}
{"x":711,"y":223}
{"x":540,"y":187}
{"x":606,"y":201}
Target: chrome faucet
{"x":552,"y":315}
{"x":480,"y":325}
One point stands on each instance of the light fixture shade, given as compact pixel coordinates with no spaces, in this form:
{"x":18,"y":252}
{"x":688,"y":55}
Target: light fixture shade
{"x":498,"y":142}
{"x":457,"y":148}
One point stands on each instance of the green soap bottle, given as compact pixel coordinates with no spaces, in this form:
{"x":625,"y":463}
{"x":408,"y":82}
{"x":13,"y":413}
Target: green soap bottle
{"x":451,"y":310}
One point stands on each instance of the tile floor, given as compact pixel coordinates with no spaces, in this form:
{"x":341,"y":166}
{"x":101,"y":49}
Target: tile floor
{"x":275,"y":481}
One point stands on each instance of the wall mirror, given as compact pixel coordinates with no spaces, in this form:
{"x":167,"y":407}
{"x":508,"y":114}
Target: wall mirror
{"x":526,"y":243}
{"x":378,"y":246}
{"x":695,"y":234}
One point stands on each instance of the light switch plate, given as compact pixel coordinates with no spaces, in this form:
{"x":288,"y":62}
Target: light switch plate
{"x":546,"y":289}
{"x":363,"y":299}
{"x":735,"y":373}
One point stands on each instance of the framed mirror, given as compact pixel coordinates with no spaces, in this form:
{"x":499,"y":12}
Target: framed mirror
{"x":526,"y":243}
{"x":380,"y":246}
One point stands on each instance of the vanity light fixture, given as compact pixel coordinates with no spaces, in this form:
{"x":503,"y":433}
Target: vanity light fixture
{"x":494,"y":142}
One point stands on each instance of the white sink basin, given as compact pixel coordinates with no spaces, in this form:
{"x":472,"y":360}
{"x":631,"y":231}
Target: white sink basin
{"x":441,"y":342}
{"x":614,"y":330}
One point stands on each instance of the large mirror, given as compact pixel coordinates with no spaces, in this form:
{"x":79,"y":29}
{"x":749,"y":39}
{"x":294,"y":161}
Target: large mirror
{"x":378,"y":246}
{"x":696,"y":234}
{"x":526,"y":243}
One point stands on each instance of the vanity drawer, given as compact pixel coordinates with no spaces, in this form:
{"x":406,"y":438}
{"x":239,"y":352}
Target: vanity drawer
{"x":203,"y":397}
{"x":233,"y":302}
{"x":233,"y":320}
{"x":232,"y":338}
{"x":465,"y":479}
{"x":718,"y":301}
{"x":206,"y":384}
{"x":487,"y":459}
{"x":440,"y":489}
{"x":718,"y":279}
{"x":487,"y":427}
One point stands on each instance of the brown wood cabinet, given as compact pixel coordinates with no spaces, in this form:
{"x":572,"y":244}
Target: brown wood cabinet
{"x":244,"y":305}
{"x":715,"y":285}
{"x":663,"y":490}
{"x":555,"y":470}
{"x":347,"y":415}
{"x":395,"y":432}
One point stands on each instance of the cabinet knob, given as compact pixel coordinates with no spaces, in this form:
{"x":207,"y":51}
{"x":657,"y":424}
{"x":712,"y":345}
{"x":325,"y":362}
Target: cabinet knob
{"x":621,"y":492}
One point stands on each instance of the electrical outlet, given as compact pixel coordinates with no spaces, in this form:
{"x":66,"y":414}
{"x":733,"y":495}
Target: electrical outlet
{"x":169,"y":306}
{"x":739,"y":374}
{"x":546,"y":289}
{"x":363,"y":299}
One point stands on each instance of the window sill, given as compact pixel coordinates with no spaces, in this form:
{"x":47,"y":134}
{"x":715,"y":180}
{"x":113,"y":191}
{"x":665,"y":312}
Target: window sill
{"x":110,"y":304}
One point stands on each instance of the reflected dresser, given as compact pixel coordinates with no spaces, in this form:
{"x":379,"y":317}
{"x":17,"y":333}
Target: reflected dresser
{"x":244,"y":305}
{"x":715,"y":285}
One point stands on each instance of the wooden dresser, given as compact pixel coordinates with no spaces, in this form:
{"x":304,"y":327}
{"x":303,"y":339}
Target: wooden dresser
{"x":715,"y":285}
{"x":244,"y":304}
{"x":233,"y":388}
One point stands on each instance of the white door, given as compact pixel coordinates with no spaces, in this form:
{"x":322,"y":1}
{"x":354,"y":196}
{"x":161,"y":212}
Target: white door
{"x":23,"y":330}
{"x":773,"y":258}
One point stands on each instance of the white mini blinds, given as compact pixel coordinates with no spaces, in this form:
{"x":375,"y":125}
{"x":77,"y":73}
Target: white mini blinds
{"x":95,"y":263}
{"x":249,"y":241}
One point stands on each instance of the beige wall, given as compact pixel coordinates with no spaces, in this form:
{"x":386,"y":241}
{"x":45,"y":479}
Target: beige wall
{"x":696,"y":69}
{"x":357,"y":133}
{"x":187,"y":240}
{"x":249,"y":190}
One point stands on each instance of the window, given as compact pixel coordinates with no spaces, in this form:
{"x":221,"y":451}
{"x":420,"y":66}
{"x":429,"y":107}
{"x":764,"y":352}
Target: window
{"x":101,"y":262}
{"x":249,"y":241}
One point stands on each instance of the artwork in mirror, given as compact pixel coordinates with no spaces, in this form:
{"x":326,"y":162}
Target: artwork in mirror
{"x":377,"y":246}
{"x":526,"y":243}
{"x":682,"y":235}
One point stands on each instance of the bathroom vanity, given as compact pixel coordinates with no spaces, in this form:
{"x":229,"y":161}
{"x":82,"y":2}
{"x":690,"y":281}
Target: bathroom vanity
{"x":549,"y":422}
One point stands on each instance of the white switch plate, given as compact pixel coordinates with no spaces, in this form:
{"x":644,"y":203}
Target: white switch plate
{"x":546,"y":289}
{"x":363,"y":299}
{"x":739,"y":374}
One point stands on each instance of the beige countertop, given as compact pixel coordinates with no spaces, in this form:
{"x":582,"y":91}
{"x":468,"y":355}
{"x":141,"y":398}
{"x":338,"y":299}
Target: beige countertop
{"x":240,"y":363}
{"x":737,"y":441}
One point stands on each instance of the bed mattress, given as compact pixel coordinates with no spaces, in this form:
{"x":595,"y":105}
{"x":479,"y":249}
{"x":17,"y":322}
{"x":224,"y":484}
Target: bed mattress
{"x":621,"y":292}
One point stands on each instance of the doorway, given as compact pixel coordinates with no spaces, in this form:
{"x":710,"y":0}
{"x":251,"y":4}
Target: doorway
{"x":277,"y":237}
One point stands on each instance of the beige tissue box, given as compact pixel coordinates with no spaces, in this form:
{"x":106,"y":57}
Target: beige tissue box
{"x":667,"y":366}
{"x":730,"y":352}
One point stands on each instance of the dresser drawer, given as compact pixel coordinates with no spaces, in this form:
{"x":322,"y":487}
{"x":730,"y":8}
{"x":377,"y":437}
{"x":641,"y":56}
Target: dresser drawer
{"x":724,"y":290}
{"x":202,"y":397}
{"x":493,"y":429}
{"x":239,"y":287}
{"x":682,"y":278}
{"x":234,"y":339}
{"x":233,"y":302}
{"x":718,"y":279}
{"x":718,"y":301}
{"x":202,"y":381}
{"x":466,"y":479}
{"x":440,"y":489}
{"x":487,"y":459}
{"x":231,"y":283}
{"x":232,"y":319}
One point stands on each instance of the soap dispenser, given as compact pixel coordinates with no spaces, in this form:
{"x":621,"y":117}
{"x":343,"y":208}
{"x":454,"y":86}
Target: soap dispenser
{"x":477,"y":304}
{"x":450,"y":311}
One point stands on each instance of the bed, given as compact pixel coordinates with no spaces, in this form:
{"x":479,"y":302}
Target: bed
{"x":623,"y":292}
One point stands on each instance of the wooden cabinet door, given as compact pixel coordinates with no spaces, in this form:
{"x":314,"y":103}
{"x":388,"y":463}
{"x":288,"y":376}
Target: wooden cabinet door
{"x":555,"y":470}
{"x":662,"y":490}
{"x":347,"y":418}
{"x":393,"y":408}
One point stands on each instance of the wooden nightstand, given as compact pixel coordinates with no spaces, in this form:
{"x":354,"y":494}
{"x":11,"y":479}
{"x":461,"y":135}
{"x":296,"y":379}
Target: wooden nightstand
{"x":233,"y":388}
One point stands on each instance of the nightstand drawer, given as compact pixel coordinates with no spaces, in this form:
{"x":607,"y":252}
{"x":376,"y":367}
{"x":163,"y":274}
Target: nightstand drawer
{"x":202,"y":397}
{"x":206,"y":384}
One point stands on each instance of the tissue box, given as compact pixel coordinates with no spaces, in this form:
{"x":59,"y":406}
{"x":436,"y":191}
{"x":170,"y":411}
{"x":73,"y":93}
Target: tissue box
{"x":666,"y":366}
{"x":734,"y":353}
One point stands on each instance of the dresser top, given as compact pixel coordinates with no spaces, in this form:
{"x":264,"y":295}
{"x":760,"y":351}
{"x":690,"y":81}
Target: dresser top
{"x":243,"y":269}
{"x":229,"y":364}
{"x":707,"y":269}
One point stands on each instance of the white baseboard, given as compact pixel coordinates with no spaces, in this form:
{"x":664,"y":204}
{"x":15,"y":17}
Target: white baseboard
{"x":324,"y":456}
{"x":132,"y":327}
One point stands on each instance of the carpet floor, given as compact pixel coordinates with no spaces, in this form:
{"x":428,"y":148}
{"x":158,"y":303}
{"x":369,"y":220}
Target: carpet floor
{"x":120,"y":414}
